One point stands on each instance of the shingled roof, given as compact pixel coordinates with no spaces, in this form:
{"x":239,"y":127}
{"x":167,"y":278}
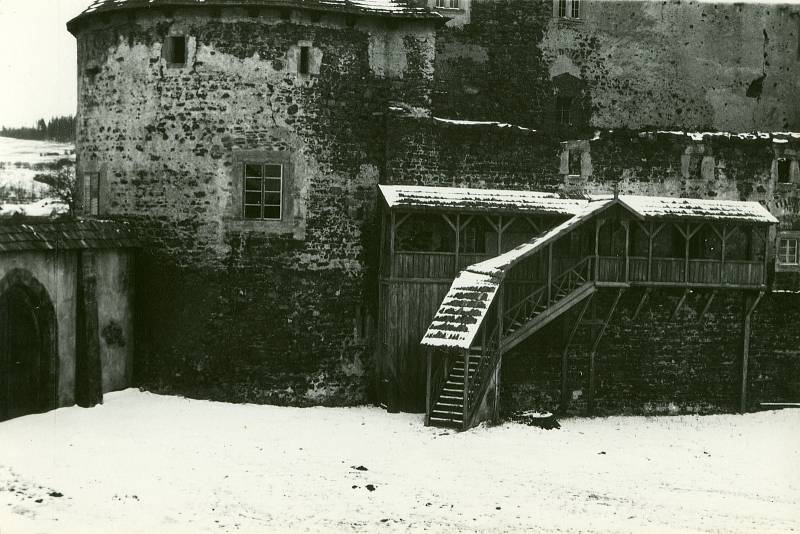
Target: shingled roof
{"x":479,"y":200}
{"x":699,"y":209}
{"x":376,"y":8}
{"x":65,"y":235}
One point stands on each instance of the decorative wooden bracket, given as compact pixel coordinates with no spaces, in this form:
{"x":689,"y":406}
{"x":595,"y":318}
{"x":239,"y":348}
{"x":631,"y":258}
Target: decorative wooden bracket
{"x":642,"y":301}
{"x":707,"y":305}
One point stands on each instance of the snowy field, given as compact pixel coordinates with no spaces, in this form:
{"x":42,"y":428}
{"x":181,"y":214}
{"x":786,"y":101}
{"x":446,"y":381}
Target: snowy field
{"x":19,"y":158}
{"x":143,"y":463}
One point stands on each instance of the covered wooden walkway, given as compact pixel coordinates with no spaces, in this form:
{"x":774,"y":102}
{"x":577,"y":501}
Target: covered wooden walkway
{"x":618,"y":243}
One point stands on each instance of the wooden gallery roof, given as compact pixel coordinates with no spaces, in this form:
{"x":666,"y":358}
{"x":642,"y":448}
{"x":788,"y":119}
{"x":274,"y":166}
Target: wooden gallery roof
{"x":466,"y":304}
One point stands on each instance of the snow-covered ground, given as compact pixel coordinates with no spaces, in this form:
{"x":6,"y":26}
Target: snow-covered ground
{"x":41,"y":208}
{"x":143,"y":463}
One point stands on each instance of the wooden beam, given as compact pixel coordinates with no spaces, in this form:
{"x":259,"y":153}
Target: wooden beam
{"x":458,"y":242}
{"x":750,"y":306}
{"x":382,"y":255}
{"x":536,"y":227}
{"x":565,"y":352}
{"x":496,"y":407}
{"x":627,"y":226}
{"x":428,"y":393}
{"x":642,"y":301}
{"x":549,"y":274}
{"x":593,"y":353}
{"x":465,"y":407}
{"x":392,"y":228}
{"x":707,"y":305}
{"x":679,"y":305}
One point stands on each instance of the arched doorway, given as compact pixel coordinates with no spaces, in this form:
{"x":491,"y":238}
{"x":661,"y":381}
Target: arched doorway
{"x":27,"y":347}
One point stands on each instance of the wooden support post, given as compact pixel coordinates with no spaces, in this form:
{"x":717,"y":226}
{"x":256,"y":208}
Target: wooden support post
{"x":750,"y":306}
{"x":766,"y":255}
{"x":565,"y":353}
{"x":627,"y":226}
{"x":428,"y":399}
{"x":707,"y":305}
{"x":597,"y":225}
{"x":640,"y":306}
{"x":687,"y":238}
{"x":650,"y":237}
{"x":593,"y":353}
{"x":458,"y":241}
{"x":382,"y":253}
{"x":466,"y":408}
{"x":392,"y":227}
{"x":88,"y":362}
{"x":679,"y":305}
{"x":549,"y":274}
{"x":496,"y":407}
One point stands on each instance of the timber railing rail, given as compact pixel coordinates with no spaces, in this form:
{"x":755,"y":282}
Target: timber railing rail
{"x":543,"y":297}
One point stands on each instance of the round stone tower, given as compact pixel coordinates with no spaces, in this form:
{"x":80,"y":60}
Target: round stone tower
{"x":246,"y":139}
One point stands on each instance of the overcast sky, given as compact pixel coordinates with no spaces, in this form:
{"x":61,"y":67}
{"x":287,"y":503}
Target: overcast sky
{"x":37,"y":60}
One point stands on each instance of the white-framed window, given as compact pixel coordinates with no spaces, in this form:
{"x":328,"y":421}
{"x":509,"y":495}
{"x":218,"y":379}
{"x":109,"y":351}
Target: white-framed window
{"x":263,"y":191}
{"x":454,"y":4}
{"x":788,"y":251}
{"x":567,"y":9}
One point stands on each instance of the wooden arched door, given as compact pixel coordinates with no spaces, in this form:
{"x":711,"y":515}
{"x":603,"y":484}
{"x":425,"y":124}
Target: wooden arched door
{"x":27,"y":363}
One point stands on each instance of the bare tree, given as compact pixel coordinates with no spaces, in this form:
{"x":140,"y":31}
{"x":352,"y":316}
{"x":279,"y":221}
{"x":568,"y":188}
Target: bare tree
{"x":62,"y":182}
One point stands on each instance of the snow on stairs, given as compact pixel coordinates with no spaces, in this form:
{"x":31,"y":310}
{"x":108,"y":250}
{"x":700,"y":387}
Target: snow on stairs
{"x":448,"y":411}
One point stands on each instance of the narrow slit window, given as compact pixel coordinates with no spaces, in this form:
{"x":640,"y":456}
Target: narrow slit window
{"x":91,"y":193}
{"x":787,"y":251}
{"x":175,"y":50}
{"x":784,"y":167}
{"x":305,"y":60}
{"x":263,"y":191}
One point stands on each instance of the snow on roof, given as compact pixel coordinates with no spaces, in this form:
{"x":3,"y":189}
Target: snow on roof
{"x":422,"y":197}
{"x":698,"y":136}
{"x":459,"y":122}
{"x":466,"y":304}
{"x":693,"y":208}
{"x":463,"y":309}
{"x":382,"y":8}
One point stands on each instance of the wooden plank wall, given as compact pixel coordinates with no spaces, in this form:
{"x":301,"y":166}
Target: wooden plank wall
{"x":407,"y":308}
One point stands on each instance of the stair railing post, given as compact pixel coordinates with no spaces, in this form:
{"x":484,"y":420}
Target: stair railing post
{"x":428,"y":392}
{"x":466,"y":408}
{"x":549,"y":274}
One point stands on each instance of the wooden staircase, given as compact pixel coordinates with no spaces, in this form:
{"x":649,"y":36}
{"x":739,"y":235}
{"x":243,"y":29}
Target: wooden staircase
{"x":459,"y":396}
{"x":448,"y":411}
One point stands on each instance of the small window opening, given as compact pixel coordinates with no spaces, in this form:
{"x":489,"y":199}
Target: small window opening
{"x":562,"y":8}
{"x":563,"y":110}
{"x":305,"y":60}
{"x":784,"y":166}
{"x":575,"y":12}
{"x":263,"y":188}
{"x":91,"y":193}
{"x":788,"y":251}
{"x":176,"y":50}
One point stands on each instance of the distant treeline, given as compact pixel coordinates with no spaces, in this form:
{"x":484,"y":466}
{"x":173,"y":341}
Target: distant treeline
{"x":56,"y":129}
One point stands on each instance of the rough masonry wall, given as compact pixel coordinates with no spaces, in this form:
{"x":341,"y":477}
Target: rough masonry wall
{"x":657,"y":365}
{"x":672,"y":64}
{"x":650,"y":365}
{"x":232,"y":309}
